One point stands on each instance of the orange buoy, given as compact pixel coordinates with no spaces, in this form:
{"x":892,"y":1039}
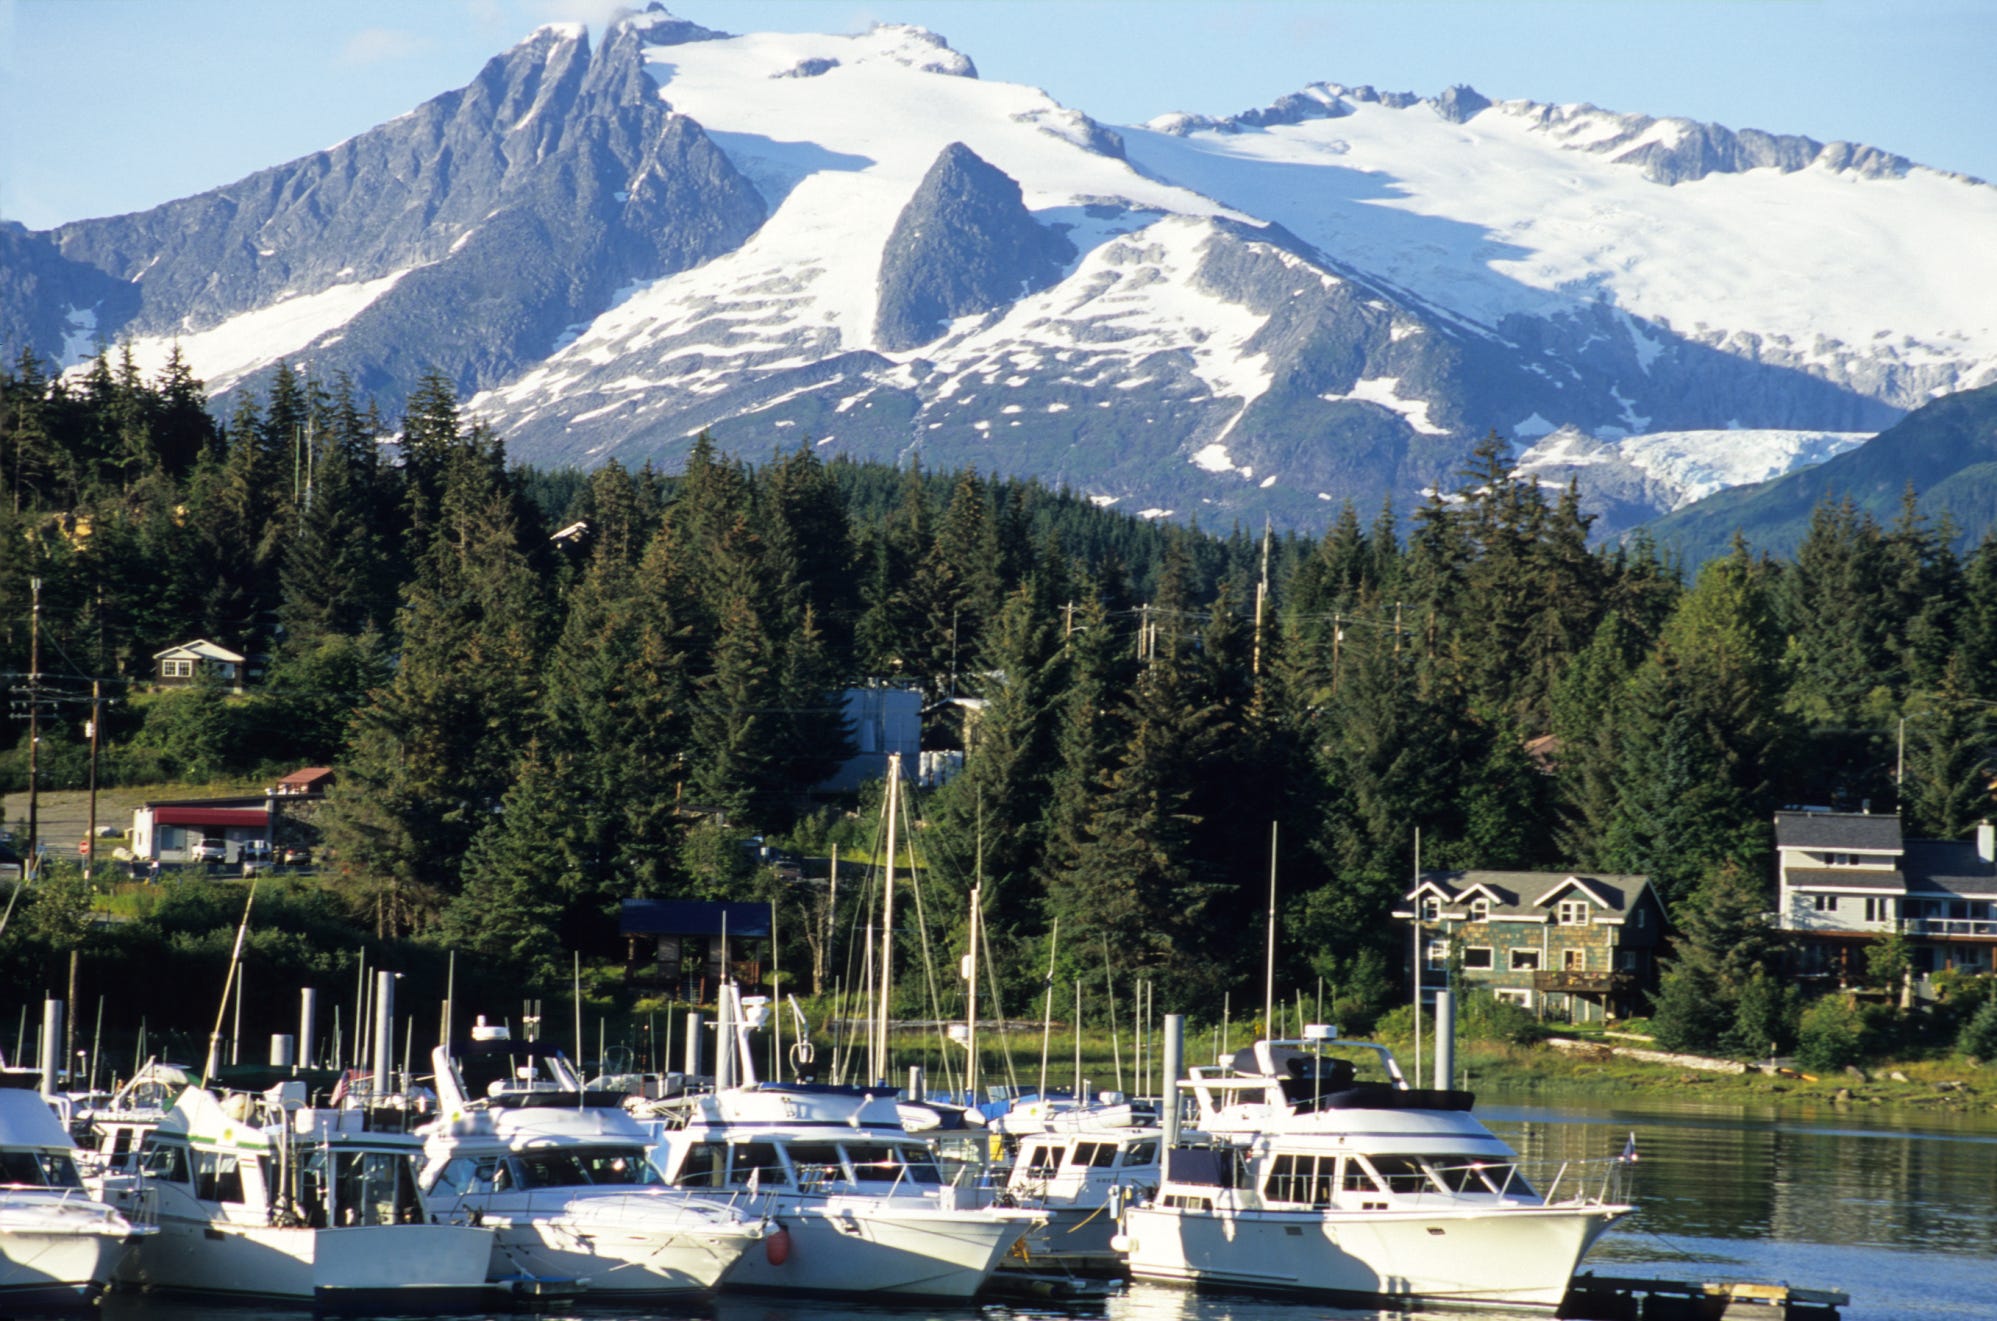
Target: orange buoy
{"x":776,"y":1248}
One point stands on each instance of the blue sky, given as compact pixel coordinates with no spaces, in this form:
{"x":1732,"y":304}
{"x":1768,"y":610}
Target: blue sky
{"x":118,"y":105}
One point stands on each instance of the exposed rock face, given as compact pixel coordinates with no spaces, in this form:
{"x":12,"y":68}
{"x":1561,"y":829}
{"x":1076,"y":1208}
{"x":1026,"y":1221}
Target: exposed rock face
{"x":964,"y":244}
{"x":516,"y":206}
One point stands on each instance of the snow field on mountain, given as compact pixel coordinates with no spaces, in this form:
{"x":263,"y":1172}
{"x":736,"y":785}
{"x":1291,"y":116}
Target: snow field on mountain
{"x":1694,"y":464}
{"x":1495,"y":216}
{"x":241,"y":344}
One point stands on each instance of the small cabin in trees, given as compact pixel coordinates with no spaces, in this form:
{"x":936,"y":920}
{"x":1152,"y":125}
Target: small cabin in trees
{"x":1576,"y":946}
{"x":192,"y":661}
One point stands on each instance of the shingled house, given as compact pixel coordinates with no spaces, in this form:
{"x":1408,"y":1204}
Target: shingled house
{"x":1578,"y":946}
{"x":1848,"y":879}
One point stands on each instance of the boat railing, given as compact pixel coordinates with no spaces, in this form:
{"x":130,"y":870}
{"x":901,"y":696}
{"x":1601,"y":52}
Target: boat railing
{"x":1608,"y":1177}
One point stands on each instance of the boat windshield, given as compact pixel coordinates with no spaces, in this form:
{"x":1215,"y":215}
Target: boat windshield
{"x":891,"y":1162}
{"x":1477,"y":1174}
{"x":585,"y":1167}
{"x":38,"y":1169}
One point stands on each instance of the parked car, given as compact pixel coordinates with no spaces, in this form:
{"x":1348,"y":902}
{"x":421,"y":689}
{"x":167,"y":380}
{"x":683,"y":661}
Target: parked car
{"x":296,"y":855}
{"x":255,"y":855}
{"x":209,"y":850}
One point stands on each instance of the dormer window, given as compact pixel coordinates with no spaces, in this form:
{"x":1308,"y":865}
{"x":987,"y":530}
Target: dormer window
{"x":1430,"y":909}
{"x":1573,"y":912}
{"x":1480,"y":910}
{"x":1843,"y":860}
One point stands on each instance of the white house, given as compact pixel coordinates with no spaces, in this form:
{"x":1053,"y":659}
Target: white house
{"x":1846,"y":880}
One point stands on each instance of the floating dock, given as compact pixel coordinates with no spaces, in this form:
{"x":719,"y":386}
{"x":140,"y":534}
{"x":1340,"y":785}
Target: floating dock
{"x":1594,"y":1297}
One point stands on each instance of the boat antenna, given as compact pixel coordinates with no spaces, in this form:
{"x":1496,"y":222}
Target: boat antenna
{"x":222,"y":1010}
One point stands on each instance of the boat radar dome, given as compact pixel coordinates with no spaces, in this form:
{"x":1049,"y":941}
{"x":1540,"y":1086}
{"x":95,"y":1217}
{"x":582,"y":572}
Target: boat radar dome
{"x":484,"y":1031}
{"x":1320,"y":1032}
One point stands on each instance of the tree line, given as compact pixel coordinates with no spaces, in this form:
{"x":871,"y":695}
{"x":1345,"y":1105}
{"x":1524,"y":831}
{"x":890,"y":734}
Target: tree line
{"x":549,"y":690}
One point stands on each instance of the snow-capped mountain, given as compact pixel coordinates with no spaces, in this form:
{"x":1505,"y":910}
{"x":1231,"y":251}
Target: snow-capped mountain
{"x":854,"y":239}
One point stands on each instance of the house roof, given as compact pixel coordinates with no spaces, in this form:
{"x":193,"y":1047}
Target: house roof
{"x":1521,"y":893}
{"x":1871,"y":832}
{"x":1942,"y":867}
{"x":1846,"y":878}
{"x":199,"y":649}
{"x":692,"y":917}
{"x":307,"y":776}
{"x":247,"y":817}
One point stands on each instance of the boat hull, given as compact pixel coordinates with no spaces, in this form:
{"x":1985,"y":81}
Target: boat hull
{"x":417,"y":1266}
{"x":56,"y":1269}
{"x":869,"y":1248}
{"x":1516,"y":1256}
{"x":607,"y":1260}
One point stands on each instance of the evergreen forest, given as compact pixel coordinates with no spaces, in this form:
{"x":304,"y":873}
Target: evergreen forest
{"x":547,"y":691}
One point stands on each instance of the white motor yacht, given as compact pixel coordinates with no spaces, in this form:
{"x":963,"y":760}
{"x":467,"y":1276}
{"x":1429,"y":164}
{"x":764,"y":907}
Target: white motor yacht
{"x":268,"y":1199}
{"x":863,"y":1205}
{"x":58,"y":1245}
{"x":1080,"y":1178}
{"x":561,"y":1176}
{"x":1311,"y":1179}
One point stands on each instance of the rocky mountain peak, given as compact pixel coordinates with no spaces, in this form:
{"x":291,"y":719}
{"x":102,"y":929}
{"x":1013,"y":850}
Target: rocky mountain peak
{"x":964,"y":244}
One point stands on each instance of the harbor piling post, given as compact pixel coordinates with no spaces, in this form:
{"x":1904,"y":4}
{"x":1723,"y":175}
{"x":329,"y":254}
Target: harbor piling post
{"x":1175,"y":1060}
{"x":692,"y":1064}
{"x":308,"y":1015}
{"x":1445,"y":1040}
{"x":51,"y":1044}
{"x":384,"y":1031}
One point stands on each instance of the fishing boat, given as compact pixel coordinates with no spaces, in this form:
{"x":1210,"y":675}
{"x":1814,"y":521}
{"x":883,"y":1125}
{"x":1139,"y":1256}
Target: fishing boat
{"x":58,"y":1245}
{"x":560,"y":1175}
{"x":266,"y":1198}
{"x":864,"y":1207}
{"x":1309,"y":1177}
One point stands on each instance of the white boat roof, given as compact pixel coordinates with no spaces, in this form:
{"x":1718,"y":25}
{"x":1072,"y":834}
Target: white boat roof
{"x":27,"y":1121}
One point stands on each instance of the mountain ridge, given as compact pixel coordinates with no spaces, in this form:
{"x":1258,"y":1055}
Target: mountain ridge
{"x":608,"y":249}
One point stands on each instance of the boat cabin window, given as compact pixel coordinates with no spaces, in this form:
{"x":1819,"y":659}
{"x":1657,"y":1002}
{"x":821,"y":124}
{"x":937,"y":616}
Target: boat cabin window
{"x":217,"y":1176}
{"x":1042,"y":1158}
{"x":705,"y":1166}
{"x":38,"y":1169}
{"x":369,"y":1188}
{"x":164,"y":1160}
{"x":463,"y":1175}
{"x":551,"y":1169}
{"x":1140,"y":1153}
{"x":1304,"y":1180}
{"x":1099,"y":1154}
{"x":1359,"y":1179}
{"x":758,"y":1160}
{"x":816,"y":1162}
{"x":617,"y":1165}
{"x":890,"y":1163}
{"x":1402,"y":1174}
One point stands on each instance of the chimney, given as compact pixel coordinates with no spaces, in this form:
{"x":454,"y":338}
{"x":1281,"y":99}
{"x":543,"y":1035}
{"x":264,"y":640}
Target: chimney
{"x":1986,"y":842}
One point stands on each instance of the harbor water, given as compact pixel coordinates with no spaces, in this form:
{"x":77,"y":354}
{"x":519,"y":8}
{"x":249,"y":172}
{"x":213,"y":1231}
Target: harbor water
{"x":1897,"y":1207}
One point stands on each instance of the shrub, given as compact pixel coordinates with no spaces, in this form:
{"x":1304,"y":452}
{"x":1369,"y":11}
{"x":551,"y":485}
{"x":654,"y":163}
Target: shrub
{"x":1979,"y":1034}
{"x":1831,"y":1035}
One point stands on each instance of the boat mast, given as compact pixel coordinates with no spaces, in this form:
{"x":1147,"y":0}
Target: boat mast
{"x":1269,"y":982}
{"x":881,"y":1064}
{"x":1047,"y":1010}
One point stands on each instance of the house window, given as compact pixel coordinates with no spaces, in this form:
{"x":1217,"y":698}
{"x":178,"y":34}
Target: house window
{"x":1431,"y":909}
{"x":1826,"y":903}
{"x":1525,"y":960}
{"x":1574,"y":960}
{"x":1480,"y":910}
{"x":1476,"y":957}
{"x":1514,"y":995}
{"x":1438,"y":953}
{"x":176,"y":669}
{"x":1574,"y":912}
{"x":1878,"y":910}
{"x":1641,"y":919}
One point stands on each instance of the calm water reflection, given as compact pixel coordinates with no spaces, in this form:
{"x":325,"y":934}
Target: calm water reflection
{"x":1898,"y":1208}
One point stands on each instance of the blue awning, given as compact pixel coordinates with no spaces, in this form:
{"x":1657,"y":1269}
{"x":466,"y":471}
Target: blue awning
{"x":692,"y":917}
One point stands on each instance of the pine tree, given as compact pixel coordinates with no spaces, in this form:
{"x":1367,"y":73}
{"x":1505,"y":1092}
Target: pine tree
{"x":1948,"y":783}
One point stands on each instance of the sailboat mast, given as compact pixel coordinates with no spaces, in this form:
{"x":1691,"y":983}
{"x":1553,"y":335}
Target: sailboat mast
{"x":971,"y":1065}
{"x":881,"y":1061}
